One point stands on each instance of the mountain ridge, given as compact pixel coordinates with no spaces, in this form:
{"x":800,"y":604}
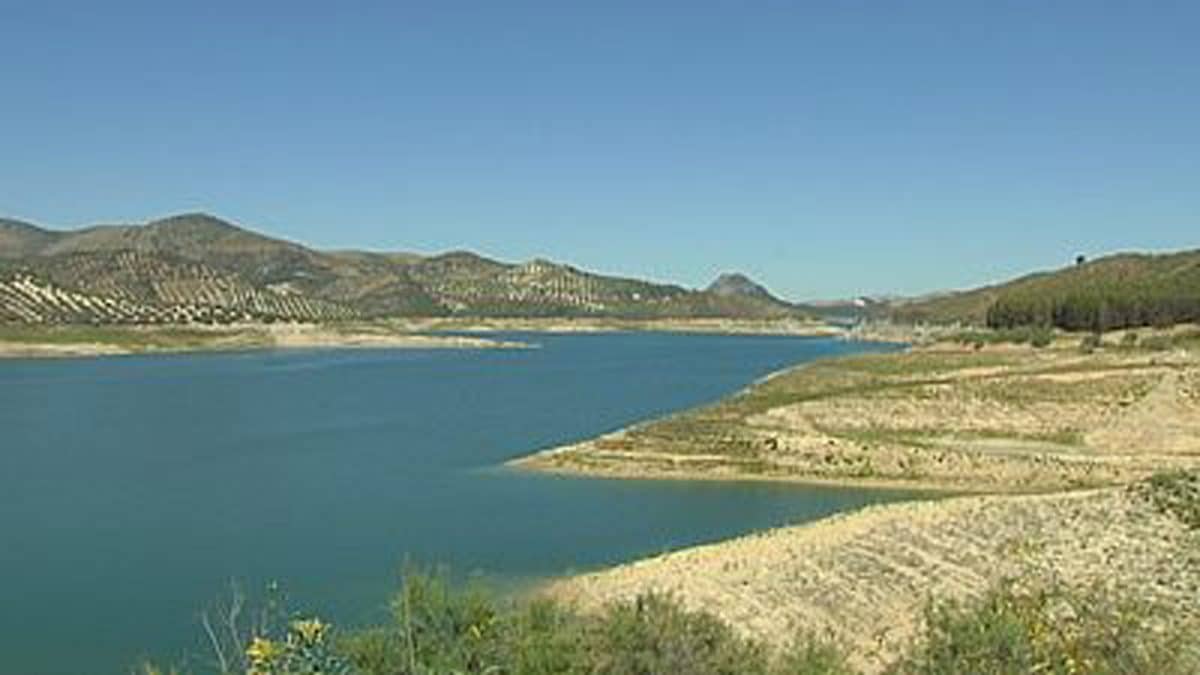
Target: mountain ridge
{"x":1119,"y":290}
{"x":198,"y":267}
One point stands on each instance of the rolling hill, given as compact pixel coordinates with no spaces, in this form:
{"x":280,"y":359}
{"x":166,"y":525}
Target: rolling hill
{"x":1117,"y":291}
{"x":199,"y":268}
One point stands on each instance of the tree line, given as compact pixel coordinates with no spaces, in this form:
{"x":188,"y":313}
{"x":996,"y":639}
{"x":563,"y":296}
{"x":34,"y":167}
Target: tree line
{"x":1101,"y":304}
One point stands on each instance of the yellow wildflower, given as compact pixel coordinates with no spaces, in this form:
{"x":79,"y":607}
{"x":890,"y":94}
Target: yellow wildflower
{"x":262,"y":652}
{"x":311,"y":631}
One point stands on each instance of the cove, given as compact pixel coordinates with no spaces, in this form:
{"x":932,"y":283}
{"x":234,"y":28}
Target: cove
{"x":135,"y":488}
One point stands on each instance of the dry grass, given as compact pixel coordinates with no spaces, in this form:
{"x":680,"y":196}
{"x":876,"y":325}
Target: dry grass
{"x":1004,"y":419}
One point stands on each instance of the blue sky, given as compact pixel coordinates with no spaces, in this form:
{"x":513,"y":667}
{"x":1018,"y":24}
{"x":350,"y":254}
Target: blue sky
{"x":826,"y":148}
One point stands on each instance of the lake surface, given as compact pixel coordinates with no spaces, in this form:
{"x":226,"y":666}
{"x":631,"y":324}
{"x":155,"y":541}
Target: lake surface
{"x":134,"y":489}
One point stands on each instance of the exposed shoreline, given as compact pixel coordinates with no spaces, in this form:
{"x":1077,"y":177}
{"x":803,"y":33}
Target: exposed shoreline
{"x":542,"y":462}
{"x":765,"y":327}
{"x":73,"y":341}
{"x":862,"y":578}
{"x":1004,"y":420}
{"x":1011,"y":495}
{"x":44,"y":342}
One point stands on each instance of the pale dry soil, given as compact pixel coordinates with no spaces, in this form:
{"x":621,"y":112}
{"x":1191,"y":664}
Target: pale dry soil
{"x":995,"y":420}
{"x":864,"y":580}
{"x":33,"y":341}
{"x":1062,"y":439}
{"x":787,"y":326}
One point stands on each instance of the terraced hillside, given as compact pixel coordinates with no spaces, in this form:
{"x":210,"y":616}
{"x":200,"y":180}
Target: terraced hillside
{"x":998,"y":420}
{"x":197,"y":268}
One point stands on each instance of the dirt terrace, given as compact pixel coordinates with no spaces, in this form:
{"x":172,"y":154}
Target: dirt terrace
{"x":995,"y":420}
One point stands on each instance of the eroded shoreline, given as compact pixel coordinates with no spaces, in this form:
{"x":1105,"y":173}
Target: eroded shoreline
{"x":1059,"y":442}
{"x":863,"y":579}
{"x":26,"y":341}
{"x":88,"y":341}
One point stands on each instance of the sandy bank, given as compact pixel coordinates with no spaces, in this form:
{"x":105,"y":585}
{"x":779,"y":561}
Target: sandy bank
{"x":791,"y":327}
{"x":1003,"y":420}
{"x":85,"y":341}
{"x":865,"y":578}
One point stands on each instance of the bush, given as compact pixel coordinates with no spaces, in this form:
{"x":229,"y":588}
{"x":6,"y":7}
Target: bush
{"x":1157,"y":343}
{"x":438,"y":629}
{"x":1175,"y":493}
{"x":655,"y":635}
{"x":1048,"y":630}
{"x":435,"y":628}
{"x":1041,"y":336}
{"x":305,"y":650}
{"x":1038,"y":336}
{"x":809,"y":655}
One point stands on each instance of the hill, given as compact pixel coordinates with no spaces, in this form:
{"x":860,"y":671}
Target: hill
{"x":732,"y":284}
{"x":1118,"y":291}
{"x":199,"y":268}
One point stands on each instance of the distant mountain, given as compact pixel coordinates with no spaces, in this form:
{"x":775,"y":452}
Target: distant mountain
{"x":196,"y":267}
{"x":18,"y":239}
{"x":1128,"y":289}
{"x":733,"y":284}
{"x":847,"y":310}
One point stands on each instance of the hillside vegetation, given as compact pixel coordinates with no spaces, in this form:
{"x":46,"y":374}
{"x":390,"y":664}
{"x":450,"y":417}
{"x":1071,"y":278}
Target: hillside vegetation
{"x":199,"y":269}
{"x":1120,"y":291}
{"x":1053,"y":626}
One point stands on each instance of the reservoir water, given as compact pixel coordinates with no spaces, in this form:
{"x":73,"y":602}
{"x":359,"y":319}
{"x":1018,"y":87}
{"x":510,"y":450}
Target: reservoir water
{"x":134,"y":489}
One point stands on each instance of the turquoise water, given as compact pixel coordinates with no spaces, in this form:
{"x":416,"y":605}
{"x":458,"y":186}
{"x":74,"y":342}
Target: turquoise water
{"x":135,"y":489}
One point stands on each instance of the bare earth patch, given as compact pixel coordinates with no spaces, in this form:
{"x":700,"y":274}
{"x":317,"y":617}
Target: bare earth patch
{"x":864,"y":579}
{"x":45,"y":341}
{"x":1081,"y":431}
{"x":1007,"y":420}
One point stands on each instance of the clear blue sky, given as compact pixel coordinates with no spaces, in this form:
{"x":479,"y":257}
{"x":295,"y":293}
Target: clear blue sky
{"x":826,"y":148}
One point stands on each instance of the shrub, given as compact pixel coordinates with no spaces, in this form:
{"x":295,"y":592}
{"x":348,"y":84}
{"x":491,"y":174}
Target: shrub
{"x":1045,"y":630}
{"x":435,"y":628}
{"x":305,"y":650}
{"x":1041,"y":336}
{"x":438,"y":629}
{"x":1158,"y":343}
{"x":1175,"y":493}
{"x":810,"y":655}
{"x":655,"y":635}
{"x":1038,"y":336}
